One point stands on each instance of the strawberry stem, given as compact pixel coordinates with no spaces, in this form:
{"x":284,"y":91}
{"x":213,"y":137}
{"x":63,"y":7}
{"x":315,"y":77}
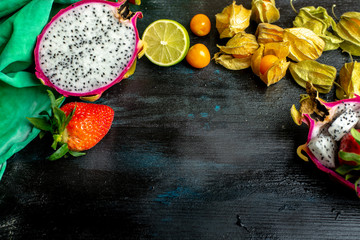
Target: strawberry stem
{"x":57,"y":138}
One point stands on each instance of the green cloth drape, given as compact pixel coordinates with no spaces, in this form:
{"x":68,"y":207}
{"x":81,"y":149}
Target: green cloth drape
{"x":21,"y":94}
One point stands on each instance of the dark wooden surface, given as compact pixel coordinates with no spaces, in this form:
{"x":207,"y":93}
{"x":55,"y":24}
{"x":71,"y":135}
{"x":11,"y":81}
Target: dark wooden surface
{"x":192,"y":154}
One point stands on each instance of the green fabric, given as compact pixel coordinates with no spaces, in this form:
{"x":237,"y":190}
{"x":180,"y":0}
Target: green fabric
{"x":21,"y":94}
{"x":2,"y":169}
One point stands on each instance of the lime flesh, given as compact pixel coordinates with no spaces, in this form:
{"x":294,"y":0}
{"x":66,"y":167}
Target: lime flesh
{"x":167,"y":42}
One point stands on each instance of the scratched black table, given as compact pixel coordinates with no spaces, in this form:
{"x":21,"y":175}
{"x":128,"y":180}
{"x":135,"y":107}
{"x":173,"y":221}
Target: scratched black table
{"x":192,"y":154}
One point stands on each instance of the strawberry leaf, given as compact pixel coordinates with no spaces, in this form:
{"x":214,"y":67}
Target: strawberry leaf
{"x":44,"y":113}
{"x":347,"y":156}
{"x":55,"y":123}
{"x":55,"y":102}
{"x":356,"y":185}
{"x":59,"y":101}
{"x":68,"y":118}
{"x":345,"y":169}
{"x":60,"y":117}
{"x":42,"y":134}
{"x":356,"y":135}
{"x":76,"y":154}
{"x":64,"y":149}
{"x":349,"y":176}
{"x":52,"y":99}
{"x":41,"y":123}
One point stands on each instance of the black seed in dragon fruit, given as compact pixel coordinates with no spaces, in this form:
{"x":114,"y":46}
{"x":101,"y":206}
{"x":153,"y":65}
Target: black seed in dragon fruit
{"x":322,"y":116}
{"x":324,"y":149}
{"x":342,"y":107}
{"x":357,"y":126}
{"x":343,"y":124}
{"x":88,"y":47}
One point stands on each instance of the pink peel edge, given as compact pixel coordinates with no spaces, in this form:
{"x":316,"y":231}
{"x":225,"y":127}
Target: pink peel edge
{"x":311,"y":123}
{"x":40,"y":74}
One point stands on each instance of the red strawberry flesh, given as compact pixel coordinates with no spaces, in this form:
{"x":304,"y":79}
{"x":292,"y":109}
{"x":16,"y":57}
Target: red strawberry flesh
{"x":90,"y":123}
{"x":349,"y":144}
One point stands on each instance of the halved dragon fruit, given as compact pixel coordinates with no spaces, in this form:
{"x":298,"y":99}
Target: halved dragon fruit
{"x":88,"y":47}
{"x":328,"y":123}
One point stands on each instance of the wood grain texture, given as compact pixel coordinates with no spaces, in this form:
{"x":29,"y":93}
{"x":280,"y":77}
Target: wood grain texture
{"x":192,"y":154}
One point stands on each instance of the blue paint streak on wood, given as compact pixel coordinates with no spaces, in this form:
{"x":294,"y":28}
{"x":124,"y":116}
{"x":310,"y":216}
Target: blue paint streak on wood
{"x":168,"y":197}
{"x":204,"y":114}
{"x":167,"y":219}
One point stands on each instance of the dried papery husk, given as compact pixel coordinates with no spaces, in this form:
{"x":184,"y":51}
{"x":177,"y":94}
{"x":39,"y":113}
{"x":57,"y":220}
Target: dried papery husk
{"x":321,"y":76}
{"x":267,"y":33}
{"x":348,"y":28}
{"x":332,"y":42}
{"x":243,"y":44}
{"x":232,"y":20}
{"x":318,"y":21}
{"x":278,"y":69}
{"x":349,"y":81}
{"x":232,"y":63}
{"x":310,"y":104}
{"x":304,"y":44}
{"x":236,"y":55}
{"x":264,"y":11}
{"x":275,"y":73}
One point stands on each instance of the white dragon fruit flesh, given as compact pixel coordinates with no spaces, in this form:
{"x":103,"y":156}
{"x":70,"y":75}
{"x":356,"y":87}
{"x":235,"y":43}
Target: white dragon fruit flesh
{"x":343,"y":124}
{"x":88,"y":47}
{"x":328,"y":122}
{"x":324,"y":149}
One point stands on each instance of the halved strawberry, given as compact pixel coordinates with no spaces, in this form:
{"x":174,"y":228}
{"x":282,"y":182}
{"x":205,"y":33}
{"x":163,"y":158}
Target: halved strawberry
{"x":77,"y":126}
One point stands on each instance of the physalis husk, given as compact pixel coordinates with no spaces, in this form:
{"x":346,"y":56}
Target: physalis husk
{"x":278,"y":69}
{"x":349,"y":80}
{"x":319,"y":21}
{"x":232,"y":20}
{"x":304,"y":44}
{"x":267,"y":33}
{"x":321,"y":76}
{"x":264,"y":11}
{"x":348,"y":28}
{"x":236,"y":55}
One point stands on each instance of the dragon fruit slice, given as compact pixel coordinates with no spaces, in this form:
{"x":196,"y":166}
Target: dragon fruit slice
{"x":88,"y":47}
{"x":327,"y":121}
{"x":343,"y":124}
{"x":324,"y":149}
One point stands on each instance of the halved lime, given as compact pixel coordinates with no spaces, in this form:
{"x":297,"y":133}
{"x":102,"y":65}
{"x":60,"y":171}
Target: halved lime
{"x":167,"y":42}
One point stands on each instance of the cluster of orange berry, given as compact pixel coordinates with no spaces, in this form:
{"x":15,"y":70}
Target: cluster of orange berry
{"x":198,"y":55}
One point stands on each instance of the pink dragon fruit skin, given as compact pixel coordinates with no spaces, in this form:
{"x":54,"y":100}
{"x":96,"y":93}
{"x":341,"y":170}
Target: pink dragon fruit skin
{"x":128,"y":69}
{"x":314,"y":127}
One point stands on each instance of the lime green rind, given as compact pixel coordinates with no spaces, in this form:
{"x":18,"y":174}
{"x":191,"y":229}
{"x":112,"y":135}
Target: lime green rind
{"x":186,"y":47}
